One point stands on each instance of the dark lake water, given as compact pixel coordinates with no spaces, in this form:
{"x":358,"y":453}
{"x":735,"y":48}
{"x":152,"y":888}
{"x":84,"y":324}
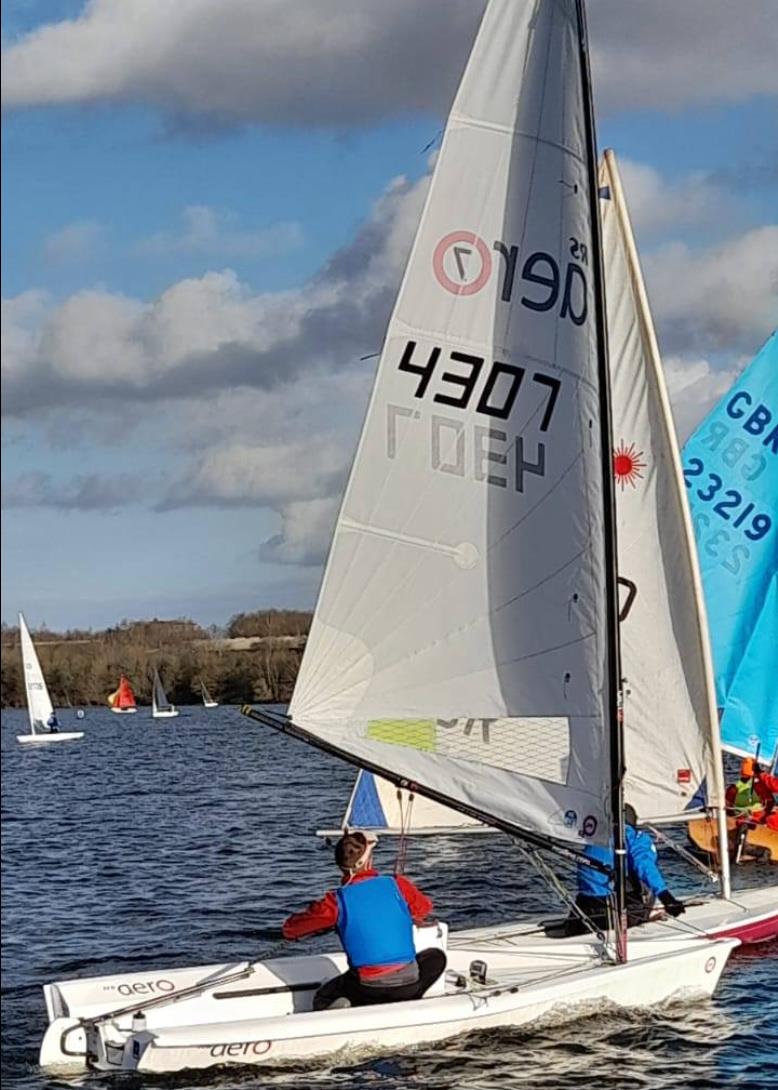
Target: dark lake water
{"x":187,"y":841}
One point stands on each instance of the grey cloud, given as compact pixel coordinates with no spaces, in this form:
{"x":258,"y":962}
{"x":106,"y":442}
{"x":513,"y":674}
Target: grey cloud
{"x":210,"y":334}
{"x":337,"y":63}
{"x":254,"y":475}
{"x":305,"y":535}
{"x":85,"y":492}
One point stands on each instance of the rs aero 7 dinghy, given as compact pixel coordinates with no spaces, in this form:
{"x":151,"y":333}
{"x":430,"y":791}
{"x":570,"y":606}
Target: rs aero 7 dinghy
{"x":466,"y":639}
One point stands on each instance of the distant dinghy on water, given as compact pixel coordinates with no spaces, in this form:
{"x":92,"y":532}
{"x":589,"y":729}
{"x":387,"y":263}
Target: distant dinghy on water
{"x":44,"y":727}
{"x":161,"y":708}
{"x":122,"y":701}
{"x":208,"y":701}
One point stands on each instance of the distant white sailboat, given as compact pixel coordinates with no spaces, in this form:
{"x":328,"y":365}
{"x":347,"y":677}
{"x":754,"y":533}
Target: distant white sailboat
{"x":208,"y":701}
{"x":161,"y":708}
{"x":43,"y":720}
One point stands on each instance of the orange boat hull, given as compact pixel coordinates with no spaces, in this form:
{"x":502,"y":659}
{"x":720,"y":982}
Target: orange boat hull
{"x":759,"y":841}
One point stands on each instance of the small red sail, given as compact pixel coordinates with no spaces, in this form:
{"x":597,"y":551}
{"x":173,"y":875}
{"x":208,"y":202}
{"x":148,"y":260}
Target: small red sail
{"x":124,"y":697}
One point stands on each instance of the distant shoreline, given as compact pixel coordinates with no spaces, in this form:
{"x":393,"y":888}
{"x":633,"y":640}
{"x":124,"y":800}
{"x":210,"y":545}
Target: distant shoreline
{"x":254,"y":659}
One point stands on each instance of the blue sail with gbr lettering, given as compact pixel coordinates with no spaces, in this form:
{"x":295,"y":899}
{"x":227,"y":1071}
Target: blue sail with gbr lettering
{"x":731,"y":471}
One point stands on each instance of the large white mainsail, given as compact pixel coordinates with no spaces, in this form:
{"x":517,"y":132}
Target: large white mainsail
{"x":460,"y":637}
{"x":673,"y":757}
{"x":671,"y":734}
{"x":39,"y":706}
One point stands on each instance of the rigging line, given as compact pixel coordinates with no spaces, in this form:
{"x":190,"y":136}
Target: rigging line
{"x":548,"y":875}
{"x":405,"y":828}
{"x":684,"y":853}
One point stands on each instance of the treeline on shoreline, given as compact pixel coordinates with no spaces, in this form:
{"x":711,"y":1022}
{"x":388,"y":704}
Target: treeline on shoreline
{"x":254,"y":658}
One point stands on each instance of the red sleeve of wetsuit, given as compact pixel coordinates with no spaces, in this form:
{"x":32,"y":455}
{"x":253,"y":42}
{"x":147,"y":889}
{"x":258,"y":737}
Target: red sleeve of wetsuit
{"x":319,"y":916}
{"x":763,"y":788}
{"x":419,"y":904}
{"x":729,"y":797}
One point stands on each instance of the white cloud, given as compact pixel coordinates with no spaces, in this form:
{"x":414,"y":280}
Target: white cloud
{"x":695,"y":386}
{"x":210,"y":231}
{"x":75,"y":242}
{"x":305,"y":535}
{"x":239,"y":474}
{"x":723,"y":297}
{"x":655,"y":204}
{"x":334,"y":62}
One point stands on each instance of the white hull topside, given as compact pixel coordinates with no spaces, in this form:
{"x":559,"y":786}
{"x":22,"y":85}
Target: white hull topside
{"x":243,"y":1017}
{"x":171,"y":714}
{"x":53,"y":736}
{"x":124,"y":711}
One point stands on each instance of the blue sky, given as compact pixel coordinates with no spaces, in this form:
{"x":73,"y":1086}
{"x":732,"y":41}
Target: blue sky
{"x":205,"y":214}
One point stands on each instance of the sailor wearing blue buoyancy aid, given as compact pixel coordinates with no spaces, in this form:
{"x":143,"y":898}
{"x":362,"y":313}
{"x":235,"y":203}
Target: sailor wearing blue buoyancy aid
{"x":595,"y":886}
{"x":360,"y":906}
{"x":374,"y":917}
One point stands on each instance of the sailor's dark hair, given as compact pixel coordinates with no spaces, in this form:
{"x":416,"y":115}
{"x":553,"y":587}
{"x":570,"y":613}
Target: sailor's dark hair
{"x":350,"y":849}
{"x":630,"y":815}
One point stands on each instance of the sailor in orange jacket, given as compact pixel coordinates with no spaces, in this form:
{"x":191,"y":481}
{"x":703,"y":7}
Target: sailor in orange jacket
{"x":752,"y":798}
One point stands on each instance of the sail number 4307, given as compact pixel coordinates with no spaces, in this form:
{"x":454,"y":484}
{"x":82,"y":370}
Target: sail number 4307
{"x":468,"y":382}
{"x":497,"y":393}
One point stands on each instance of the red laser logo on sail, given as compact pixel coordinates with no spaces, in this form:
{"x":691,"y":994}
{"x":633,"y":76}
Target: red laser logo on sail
{"x":627,"y":464}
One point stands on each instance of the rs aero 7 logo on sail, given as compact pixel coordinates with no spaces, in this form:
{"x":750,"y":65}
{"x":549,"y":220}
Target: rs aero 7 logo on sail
{"x":463,"y":264}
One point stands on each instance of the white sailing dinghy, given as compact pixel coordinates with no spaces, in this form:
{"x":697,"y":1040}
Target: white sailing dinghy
{"x":161,"y":708}
{"x":43,"y":728}
{"x":208,"y":701}
{"x":466,"y":641}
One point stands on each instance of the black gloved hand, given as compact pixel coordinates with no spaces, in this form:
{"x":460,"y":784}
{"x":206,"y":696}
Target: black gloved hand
{"x":672,"y":905}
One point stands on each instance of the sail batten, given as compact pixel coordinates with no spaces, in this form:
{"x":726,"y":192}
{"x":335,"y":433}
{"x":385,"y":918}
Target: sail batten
{"x":461,"y":634}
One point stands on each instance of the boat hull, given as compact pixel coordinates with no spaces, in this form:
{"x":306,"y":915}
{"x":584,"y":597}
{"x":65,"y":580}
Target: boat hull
{"x":172,"y":714}
{"x":124,"y":711}
{"x":267,"y":1017}
{"x":760,"y":842}
{"x":46,"y":739}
